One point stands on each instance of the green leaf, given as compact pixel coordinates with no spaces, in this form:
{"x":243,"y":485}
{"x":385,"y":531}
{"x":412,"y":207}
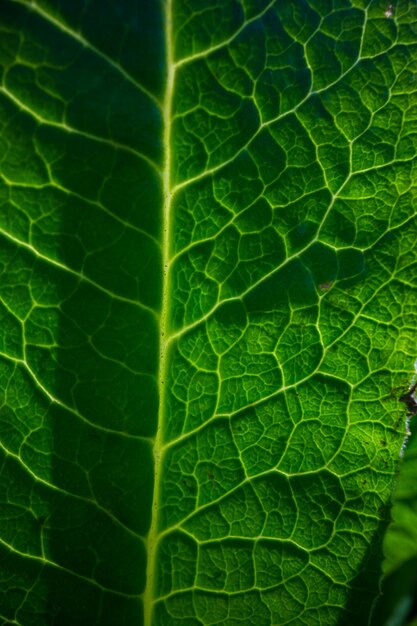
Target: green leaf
{"x":208,"y":300}
{"x":399,"y":584}
{"x":401,"y":540}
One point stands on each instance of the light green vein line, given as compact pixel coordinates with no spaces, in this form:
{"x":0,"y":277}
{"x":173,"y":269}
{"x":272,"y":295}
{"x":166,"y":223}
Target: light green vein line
{"x":73,"y":194}
{"x":119,"y":363}
{"x":49,"y":563}
{"x":86,"y":44}
{"x":250,"y":539}
{"x":72,"y":411}
{"x":80,"y":276}
{"x":382,"y":166}
{"x":100,"y":205}
{"x":246,"y":481}
{"x":366,"y":466}
{"x":216,"y":417}
{"x":65,"y":492}
{"x":9,"y":620}
{"x":253,"y":587}
{"x":75,"y":131}
{"x":152,"y":539}
{"x":240,"y":592}
{"x":226,"y":42}
{"x":28,"y":591}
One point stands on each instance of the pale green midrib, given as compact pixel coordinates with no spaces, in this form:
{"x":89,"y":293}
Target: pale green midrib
{"x":152,"y":538}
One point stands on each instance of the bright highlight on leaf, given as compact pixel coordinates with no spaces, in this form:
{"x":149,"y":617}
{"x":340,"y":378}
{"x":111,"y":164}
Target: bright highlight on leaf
{"x":207,"y":305}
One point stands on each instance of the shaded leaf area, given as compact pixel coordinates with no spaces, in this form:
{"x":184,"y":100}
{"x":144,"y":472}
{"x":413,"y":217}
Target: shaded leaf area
{"x":291,"y":312}
{"x":80,"y":258}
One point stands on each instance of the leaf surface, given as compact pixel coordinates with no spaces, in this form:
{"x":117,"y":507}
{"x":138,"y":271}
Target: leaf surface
{"x":207,"y":247}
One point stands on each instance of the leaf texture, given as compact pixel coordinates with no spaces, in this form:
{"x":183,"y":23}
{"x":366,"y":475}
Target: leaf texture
{"x":208,"y":300}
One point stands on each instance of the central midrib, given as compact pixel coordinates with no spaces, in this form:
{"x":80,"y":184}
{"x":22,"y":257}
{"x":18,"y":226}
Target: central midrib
{"x":152,"y":538}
